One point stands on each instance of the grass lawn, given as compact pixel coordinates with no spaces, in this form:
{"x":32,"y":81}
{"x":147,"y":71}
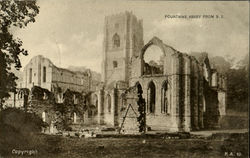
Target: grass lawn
{"x":60,"y":147}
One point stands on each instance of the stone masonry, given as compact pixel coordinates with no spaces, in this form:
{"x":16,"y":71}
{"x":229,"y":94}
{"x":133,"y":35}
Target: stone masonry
{"x":182,"y":94}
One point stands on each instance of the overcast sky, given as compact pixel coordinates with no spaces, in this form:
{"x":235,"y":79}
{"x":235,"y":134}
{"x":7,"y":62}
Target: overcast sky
{"x":70,"y":32}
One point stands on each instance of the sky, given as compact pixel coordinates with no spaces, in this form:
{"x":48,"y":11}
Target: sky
{"x":70,"y":32}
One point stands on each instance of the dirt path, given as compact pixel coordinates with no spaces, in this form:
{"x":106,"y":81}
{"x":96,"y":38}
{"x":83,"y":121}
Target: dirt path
{"x":210,"y":132}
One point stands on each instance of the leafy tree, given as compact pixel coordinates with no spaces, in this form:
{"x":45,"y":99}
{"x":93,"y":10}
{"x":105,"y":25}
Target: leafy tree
{"x":66,"y":109}
{"x":13,"y":14}
{"x":39,"y":93}
{"x":238,"y":89}
{"x":141,"y":109}
{"x":244,"y":63}
{"x":221,"y":64}
{"x":237,"y":80}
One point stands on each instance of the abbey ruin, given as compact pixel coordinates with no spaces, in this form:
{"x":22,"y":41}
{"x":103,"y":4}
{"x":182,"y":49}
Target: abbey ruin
{"x":182,"y":92}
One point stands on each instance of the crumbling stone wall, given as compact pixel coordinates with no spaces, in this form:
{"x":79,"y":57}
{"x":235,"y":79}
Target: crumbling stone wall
{"x":190,"y":87}
{"x":75,"y":110}
{"x":212,"y":114}
{"x":130,"y":113}
{"x":18,"y":99}
{"x":191,"y":82}
{"x":40,"y":71}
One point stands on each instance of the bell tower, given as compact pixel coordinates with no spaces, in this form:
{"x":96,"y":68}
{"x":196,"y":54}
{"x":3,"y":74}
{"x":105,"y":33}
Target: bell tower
{"x":123,"y":39}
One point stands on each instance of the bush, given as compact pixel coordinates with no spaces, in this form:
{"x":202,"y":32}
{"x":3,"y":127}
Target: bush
{"x":18,"y":129}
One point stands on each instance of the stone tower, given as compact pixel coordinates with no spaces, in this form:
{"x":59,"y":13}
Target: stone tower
{"x":123,"y":39}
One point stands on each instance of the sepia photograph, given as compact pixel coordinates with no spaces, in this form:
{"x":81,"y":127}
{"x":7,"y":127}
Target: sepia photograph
{"x":124,"y":79}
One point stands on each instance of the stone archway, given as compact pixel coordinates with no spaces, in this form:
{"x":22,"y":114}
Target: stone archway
{"x":108,"y":103}
{"x":153,"y":57}
{"x":122,"y":106}
{"x":154,"y":41}
{"x":44,"y":116}
{"x":164,"y":97}
{"x":95,"y":100}
{"x":151,"y":97}
{"x":138,"y":87}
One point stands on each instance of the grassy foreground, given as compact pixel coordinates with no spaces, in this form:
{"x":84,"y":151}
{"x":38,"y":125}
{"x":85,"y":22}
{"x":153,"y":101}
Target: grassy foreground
{"x":60,"y":147}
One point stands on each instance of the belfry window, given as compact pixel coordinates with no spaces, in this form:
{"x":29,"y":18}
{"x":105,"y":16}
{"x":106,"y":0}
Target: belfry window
{"x":116,"y":25}
{"x":115,"y":64}
{"x":116,"y":41}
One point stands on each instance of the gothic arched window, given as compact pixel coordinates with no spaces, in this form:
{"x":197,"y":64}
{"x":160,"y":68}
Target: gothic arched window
{"x":165,"y":98}
{"x":151,"y":97}
{"x":115,"y":64}
{"x":74,"y":117}
{"x":116,"y":40}
{"x":95,"y":100}
{"x":44,"y":116}
{"x":109,"y":103}
{"x":134,"y":42}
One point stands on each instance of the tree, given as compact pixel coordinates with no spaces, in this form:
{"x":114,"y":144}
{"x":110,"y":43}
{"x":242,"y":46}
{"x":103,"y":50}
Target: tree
{"x":13,"y":14}
{"x":19,"y":129}
{"x":65,"y":110}
{"x":238,"y":89}
{"x":237,"y":80}
{"x":221,"y":64}
{"x":142,"y":113}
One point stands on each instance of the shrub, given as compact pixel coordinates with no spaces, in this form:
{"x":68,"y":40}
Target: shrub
{"x":18,"y":129}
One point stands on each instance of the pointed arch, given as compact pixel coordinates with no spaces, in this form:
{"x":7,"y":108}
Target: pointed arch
{"x":108,"y":101}
{"x":74,"y":117}
{"x":165,"y":97}
{"x":151,"y":97}
{"x":122,"y":102}
{"x":116,"y":40}
{"x":95,"y":100}
{"x":157,"y":42}
{"x":138,"y":87}
{"x":122,"y":99}
{"x":44,"y":115}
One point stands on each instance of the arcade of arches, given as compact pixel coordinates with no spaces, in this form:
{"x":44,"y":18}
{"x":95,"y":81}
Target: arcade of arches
{"x":179,"y":98}
{"x":181,"y":92}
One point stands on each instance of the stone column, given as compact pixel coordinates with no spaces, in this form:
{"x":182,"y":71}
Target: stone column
{"x":187,"y":116}
{"x":114,"y":106}
{"x":175,"y":96}
{"x":148,"y":100}
{"x":214,"y":79}
{"x":39,"y":73}
{"x":158,"y":103}
{"x":74,"y":117}
{"x":105,"y":49}
{"x":200,"y":104}
{"x":101,"y":107}
{"x":14,"y":97}
{"x":196,"y":96}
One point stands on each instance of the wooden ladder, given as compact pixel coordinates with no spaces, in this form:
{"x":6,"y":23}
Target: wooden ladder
{"x":126,"y":116}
